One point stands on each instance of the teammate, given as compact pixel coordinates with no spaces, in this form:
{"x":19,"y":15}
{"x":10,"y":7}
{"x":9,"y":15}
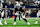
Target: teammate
{"x":2,"y":16}
{"x":38,"y":14}
{"x":19,"y":11}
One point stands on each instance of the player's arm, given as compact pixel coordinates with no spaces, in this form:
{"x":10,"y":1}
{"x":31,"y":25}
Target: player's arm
{"x":23,"y":10}
{"x":14,"y":11}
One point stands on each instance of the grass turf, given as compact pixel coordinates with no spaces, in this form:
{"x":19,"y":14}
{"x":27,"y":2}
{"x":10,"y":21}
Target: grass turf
{"x":21,"y":23}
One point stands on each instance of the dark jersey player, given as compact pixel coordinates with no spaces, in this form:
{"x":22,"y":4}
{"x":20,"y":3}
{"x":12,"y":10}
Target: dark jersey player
{"x":20,"y":12}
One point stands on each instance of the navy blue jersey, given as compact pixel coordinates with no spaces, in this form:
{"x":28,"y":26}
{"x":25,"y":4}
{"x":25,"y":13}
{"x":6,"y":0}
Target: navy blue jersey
{"x":20,"y":9}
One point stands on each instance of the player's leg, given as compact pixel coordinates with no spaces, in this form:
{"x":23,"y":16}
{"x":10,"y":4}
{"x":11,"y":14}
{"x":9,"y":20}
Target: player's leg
{"x":37,"y":18}
{"x":20,"y":18}
{"x":25,"y":20}
{"x":4,"y":20}
{"x":15,"y":20}
{"x":0,"y":21}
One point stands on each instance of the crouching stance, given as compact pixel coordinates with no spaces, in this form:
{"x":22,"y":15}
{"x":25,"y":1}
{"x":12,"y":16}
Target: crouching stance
{"x":21,"y":12}
{"x":2,"y":15}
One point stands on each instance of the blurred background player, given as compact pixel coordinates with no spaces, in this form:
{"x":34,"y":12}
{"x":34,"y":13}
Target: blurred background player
{"x":0,"y":18}
{"x":3,"y":16}
{"x":38,"y":14}
{"x":37,"y":11}
{"x":20,"y":11}
{"x":28,"y":12}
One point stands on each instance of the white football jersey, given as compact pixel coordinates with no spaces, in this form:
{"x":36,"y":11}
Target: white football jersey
{"x":2,"y":14}
{"x":38,"y":14}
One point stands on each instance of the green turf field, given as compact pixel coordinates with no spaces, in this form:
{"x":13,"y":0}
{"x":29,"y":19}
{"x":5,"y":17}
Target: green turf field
{"x":21,"y":23}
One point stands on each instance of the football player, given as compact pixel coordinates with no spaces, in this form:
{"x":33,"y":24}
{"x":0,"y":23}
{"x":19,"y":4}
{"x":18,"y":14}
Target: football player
{"x":19,"y":11}
{"x":2,"y":16}
{"x":38,"y":14}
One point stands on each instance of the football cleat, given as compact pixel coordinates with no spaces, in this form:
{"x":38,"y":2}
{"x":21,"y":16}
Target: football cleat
{"x":28,"y":23}
{"x":36,"y":22}
{"x":14,"y":23}
{"x":1,"y":23}
{"x":5,"y":22}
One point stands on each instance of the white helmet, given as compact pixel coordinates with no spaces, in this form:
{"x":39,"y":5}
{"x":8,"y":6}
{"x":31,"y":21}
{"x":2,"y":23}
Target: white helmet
{"x":17,"y":3}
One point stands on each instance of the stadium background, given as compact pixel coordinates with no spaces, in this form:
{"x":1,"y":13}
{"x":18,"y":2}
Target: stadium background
{"x":12,"y":6}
